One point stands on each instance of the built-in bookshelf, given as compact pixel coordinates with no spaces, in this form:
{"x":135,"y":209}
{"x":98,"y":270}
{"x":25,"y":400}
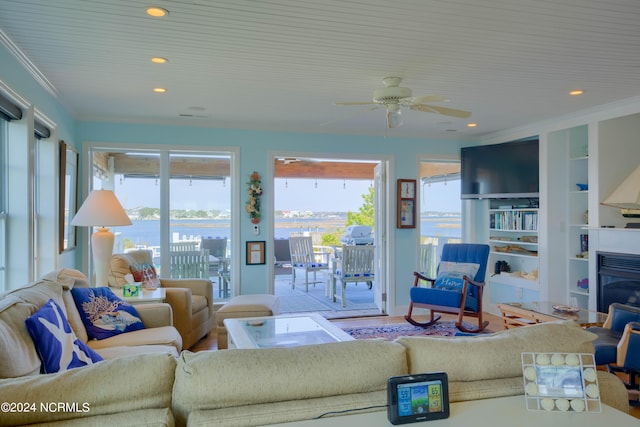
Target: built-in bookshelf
{"x":513,"y":237}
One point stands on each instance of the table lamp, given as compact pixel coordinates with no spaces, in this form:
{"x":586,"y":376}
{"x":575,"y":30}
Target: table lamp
{"x":101,"y":209}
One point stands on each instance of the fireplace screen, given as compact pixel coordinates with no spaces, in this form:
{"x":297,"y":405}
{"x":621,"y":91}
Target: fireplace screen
{"x":618,"y":280}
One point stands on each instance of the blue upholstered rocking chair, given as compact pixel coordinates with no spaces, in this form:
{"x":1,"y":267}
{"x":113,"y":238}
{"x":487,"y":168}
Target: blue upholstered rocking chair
{"x":457,"y":288}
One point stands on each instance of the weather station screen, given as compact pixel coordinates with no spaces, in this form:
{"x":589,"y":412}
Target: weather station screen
{"x":419,"y":397}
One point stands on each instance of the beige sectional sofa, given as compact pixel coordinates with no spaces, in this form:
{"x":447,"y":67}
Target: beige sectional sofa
{"x":260,"y":387}
{"x":18,"y":355}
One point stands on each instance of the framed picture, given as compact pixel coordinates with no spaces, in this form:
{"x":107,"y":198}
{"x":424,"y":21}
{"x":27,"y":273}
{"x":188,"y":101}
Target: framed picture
{"x":68,"y":196}
{"x":255,"y":253}
{"x":406,"y":203}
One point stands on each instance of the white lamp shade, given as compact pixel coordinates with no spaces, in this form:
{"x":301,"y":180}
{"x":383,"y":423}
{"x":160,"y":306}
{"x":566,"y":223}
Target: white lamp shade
{"x":101,"y":209}
{"x":627,"y":195}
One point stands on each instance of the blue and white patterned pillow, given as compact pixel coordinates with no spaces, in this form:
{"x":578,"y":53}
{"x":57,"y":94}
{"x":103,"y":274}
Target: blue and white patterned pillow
{"x":58,"y":347}
{"x":450,"y":274}
{"x":104,"y":314}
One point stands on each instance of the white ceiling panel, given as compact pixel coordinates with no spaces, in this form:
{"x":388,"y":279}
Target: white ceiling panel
{"x":282,"y":65}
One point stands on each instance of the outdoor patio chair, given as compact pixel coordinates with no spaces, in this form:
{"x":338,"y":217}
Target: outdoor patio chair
{"x":304,"y":257}
{"x":453,"y":291}
{"x":354,"y":265}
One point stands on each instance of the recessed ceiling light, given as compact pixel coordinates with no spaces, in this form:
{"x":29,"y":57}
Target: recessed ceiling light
{"x":472,"y":125}
{"x":159,"y":90}
{"x":576,"y":92}
{"x":159,"y":60}
{"x":157,"y":12}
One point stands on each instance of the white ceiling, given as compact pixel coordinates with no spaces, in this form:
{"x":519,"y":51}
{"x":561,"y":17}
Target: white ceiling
{"x":282,"y":64}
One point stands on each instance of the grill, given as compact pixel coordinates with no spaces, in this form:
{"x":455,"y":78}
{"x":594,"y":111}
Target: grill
{"x":357,"y":235}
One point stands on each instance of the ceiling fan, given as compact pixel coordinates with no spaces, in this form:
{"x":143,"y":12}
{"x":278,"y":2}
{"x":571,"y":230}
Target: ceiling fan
{"x":392,"y":97}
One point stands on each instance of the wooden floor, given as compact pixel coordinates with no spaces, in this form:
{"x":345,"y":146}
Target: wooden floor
{"x":495,"y":324}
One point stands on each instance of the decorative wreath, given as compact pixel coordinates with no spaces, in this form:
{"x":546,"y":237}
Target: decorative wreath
{"x":255,"y":191}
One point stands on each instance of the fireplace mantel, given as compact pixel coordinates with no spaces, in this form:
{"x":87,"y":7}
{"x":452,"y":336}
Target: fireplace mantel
{"x":620,"y":240}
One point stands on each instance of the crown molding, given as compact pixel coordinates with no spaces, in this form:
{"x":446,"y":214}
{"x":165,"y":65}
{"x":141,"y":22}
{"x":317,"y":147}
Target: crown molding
{"x":31,"y":68}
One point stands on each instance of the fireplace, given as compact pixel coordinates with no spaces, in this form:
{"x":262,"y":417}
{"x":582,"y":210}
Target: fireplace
{"x":618,"y":280}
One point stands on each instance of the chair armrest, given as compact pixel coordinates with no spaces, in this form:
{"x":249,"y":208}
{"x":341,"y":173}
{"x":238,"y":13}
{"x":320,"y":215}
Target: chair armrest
{"x":620,"y":315}
{"x":155,"y":315}
{"x":202,"y":287}
{"x":630,"y":340}
{"x":421,"y":277}
{"x":473,"y":282}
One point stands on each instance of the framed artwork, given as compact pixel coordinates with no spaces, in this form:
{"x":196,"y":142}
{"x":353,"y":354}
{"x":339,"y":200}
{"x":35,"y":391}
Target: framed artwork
{"x":406,"y":203}
{"x":255,"y":253}
{"x":68,"y":196}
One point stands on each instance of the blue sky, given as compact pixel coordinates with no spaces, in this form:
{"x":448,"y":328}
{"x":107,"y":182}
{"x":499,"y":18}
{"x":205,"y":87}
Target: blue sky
{"x":290,"y":194}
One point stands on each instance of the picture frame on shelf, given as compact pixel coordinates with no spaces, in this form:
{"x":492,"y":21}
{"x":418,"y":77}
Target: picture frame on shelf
{"x":406,"y":203}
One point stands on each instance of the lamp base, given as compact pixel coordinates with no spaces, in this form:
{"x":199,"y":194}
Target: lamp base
{"x":102,"y":247}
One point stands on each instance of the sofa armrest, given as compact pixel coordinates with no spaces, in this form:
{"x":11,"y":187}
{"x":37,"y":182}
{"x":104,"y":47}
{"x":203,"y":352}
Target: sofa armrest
{"x":202,"y":287}
{"x":155,"y":315}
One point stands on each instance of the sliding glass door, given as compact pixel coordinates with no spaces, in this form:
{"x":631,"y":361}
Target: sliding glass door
{"x":179,"y":203}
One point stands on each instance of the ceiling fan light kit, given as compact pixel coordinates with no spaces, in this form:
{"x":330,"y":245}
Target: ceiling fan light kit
{"x":393,"y":96}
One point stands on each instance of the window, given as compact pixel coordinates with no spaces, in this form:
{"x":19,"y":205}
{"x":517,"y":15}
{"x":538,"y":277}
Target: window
{"x":3,"y":201}
{"x":440,"y":211}
{"x":178,"y":201}
{"x":45,"y":205}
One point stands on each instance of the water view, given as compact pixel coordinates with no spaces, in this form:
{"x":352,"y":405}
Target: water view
{"x":146,"y":232}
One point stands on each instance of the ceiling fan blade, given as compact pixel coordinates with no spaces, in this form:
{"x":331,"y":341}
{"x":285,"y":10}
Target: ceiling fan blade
{"x":427,"y":98}
{"x":441,"y":110}
{"x":356,"y":103}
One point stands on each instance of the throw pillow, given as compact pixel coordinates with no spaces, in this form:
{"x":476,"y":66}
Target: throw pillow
{"x":450,"y":274}
{"x":57,"y":346}
{"x":104,"y":314}
{"x":146,"y":274}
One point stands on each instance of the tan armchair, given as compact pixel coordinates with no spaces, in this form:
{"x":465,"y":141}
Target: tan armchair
{"x":190,"y":299}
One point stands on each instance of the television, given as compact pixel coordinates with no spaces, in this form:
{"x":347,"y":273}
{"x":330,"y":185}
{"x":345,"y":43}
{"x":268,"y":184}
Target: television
{"x":507,"y":170}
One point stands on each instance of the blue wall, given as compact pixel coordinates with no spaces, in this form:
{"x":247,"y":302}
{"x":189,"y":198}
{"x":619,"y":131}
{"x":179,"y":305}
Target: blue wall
{"x":254,"y":147}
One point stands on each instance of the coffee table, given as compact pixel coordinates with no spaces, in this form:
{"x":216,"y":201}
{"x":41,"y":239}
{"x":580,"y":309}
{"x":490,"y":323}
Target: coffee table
{"x":283,"y":331}
{"x":528,"y":313}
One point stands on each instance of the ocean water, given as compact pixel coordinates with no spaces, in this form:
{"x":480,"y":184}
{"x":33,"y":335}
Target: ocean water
{"x":147,"y":232}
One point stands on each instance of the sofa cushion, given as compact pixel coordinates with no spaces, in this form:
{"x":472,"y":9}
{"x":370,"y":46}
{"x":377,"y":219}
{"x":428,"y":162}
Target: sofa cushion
{"x":132,"y":350}
{"x":104,"y":314}
{"x":58,"y":347}
{"x":73,"y":316}
{"x":257,"y":376}
{"x":496,"y":355}
{"x":121,"y":385}
{"x":68,"y":278}
{"x":163,"y":336}
{"x":18,"y":355}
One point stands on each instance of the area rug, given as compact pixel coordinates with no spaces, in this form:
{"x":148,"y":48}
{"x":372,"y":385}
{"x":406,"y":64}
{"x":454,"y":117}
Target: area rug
{"x":445,"y":328}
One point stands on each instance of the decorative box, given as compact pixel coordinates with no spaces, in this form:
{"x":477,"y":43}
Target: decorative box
{"x":131,"y":290}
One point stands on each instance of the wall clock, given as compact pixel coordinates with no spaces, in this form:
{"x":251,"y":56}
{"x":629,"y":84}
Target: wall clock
{"x":406,"y":204}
